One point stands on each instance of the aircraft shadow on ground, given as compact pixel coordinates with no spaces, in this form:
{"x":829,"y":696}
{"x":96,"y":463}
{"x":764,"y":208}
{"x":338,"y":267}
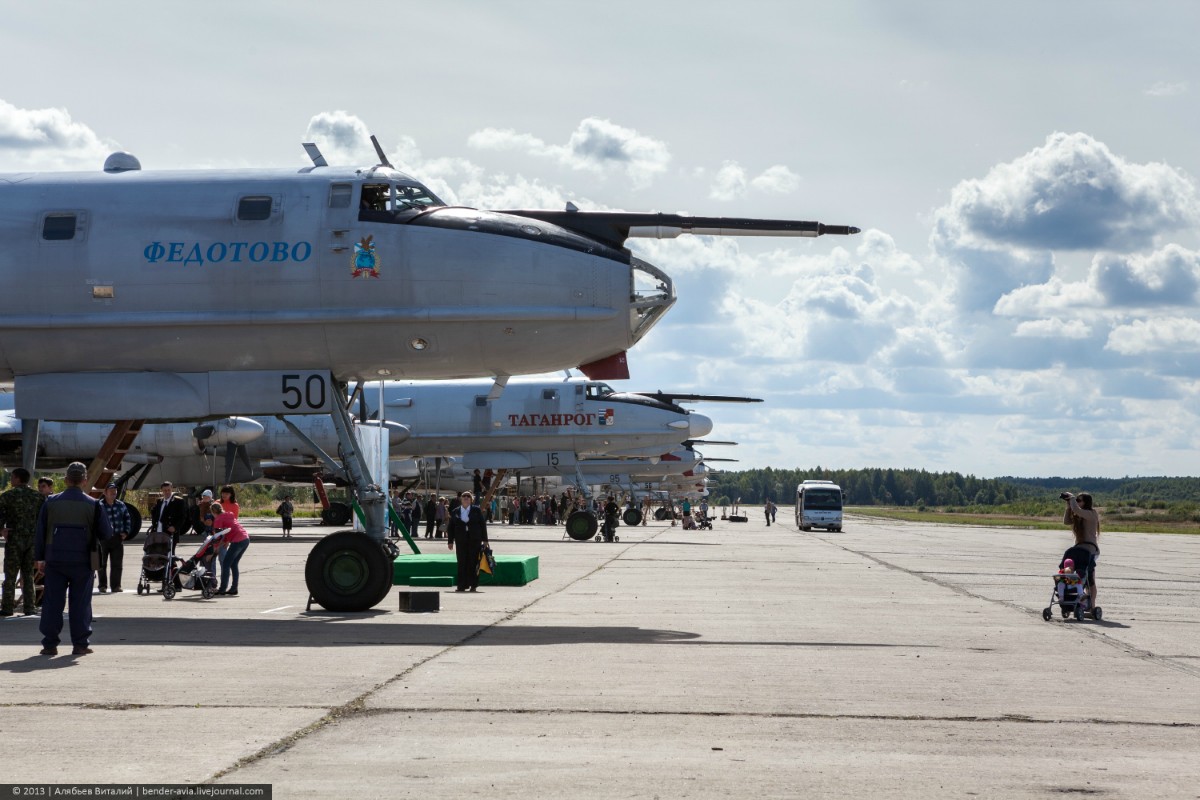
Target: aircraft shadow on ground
{"x":324,"y":629}
{"x":505,"y":540}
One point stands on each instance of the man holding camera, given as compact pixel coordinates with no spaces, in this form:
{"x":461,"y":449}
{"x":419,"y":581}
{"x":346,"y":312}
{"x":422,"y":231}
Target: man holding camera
{"x":1085,"y":524}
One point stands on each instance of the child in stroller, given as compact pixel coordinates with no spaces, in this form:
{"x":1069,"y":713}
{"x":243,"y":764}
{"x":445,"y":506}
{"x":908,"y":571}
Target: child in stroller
{"x":1070,"y":586}
{"x":199,"y":572}
{"x":160,"y":564}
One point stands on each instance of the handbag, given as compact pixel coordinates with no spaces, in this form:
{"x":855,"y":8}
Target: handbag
{"x":487,"y":562}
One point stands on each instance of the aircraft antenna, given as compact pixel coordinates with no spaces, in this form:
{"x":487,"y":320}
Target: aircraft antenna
{"x":383,"y":159}
{"x":314,"y":153}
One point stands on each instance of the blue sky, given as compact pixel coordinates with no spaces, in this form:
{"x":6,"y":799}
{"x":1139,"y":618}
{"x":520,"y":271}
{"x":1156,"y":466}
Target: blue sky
{"x":1023,"y":297}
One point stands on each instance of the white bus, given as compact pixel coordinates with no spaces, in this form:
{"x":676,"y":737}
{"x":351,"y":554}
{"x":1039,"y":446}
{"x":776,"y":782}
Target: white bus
{"x":819,"y":505}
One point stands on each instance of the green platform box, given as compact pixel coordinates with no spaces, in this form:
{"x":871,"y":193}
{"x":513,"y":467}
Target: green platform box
{"x":411,"y":569}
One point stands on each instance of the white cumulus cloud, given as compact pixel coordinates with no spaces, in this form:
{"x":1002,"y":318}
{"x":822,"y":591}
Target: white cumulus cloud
{"x":1173,"y":334}
{"x":596,"y":145}
{"x":777,"y":180}
{"x":342,"y":137}
{"x":1169,"y":276}
{"x":1053,"y":328}
{"x":729,"y":183}
{"x":46,"y":139}
{"x":1072,"y":193}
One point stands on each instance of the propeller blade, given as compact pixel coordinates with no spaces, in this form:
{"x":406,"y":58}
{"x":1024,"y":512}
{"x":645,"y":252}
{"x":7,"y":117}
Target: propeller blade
{"x":235,"y":454}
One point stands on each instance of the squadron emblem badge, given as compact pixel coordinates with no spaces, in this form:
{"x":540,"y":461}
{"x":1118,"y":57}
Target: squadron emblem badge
{"x":365,"y":259}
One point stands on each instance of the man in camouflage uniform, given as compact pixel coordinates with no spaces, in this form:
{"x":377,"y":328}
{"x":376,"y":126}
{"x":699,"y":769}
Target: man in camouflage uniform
{"x":19,"y":508}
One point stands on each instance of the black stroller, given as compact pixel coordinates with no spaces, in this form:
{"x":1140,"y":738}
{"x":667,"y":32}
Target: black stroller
{"x":1070,"y":588}
{"x":158,"y":563}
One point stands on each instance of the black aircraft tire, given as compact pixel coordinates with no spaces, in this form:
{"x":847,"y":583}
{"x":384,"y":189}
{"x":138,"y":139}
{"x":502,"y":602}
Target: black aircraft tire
{"x":582,"y":525}
{"x":135,"y":522}
{"x":632,"y":517}
{"x":661,"y":513}
{"x":337,"y":514}
{"x":348,"y":571}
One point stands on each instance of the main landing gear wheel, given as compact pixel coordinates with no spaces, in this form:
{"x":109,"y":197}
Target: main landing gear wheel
{"x":582,"y":525}
{"x":632,"y":517}
{"x":336,"y":515}
{"x":348,"y":571}
{"x":661,"y":513}
{"x":1047,"y":613}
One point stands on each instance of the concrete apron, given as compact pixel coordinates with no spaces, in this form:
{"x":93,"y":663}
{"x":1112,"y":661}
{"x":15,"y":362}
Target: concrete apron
{"x":902,"y":659}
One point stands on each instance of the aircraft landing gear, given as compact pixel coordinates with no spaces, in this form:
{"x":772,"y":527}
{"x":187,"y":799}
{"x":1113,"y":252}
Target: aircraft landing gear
{"x":582,"y":525}
{"x":632,"y":517}
{"x":337,"y":515}
{"x":349,"y":571}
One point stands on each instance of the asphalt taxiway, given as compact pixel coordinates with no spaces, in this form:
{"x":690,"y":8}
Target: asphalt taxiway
{"x":889,"y":660}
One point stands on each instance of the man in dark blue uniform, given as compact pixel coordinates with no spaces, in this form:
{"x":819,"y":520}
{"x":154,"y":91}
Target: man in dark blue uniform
{"x":69,"y":528}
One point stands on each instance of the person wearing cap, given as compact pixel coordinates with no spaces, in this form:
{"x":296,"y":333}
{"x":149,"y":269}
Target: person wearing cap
{"x":112,"y":549}
{"x":69,"y":527}
{"x":204,"y":509}
{"x":169,"y":514}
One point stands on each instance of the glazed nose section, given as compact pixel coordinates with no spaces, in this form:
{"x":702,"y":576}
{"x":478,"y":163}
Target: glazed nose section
{"x":651,"y":294}
{"x":699,"y":426}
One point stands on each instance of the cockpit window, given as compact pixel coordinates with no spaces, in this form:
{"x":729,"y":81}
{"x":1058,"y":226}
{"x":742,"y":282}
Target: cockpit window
{"x":395,"y":197}
{"x":596,"y":391}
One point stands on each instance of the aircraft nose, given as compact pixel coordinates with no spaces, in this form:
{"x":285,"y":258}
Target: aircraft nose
{"x":699,"y":426}
{"x":653,"y":295}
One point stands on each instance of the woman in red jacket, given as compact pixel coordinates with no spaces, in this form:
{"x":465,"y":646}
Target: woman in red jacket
{"x":236,"y":542}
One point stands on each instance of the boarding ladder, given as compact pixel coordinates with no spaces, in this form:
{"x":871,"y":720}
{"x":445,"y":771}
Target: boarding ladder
{"x":106,"y":463}
{"x":497,"y":479}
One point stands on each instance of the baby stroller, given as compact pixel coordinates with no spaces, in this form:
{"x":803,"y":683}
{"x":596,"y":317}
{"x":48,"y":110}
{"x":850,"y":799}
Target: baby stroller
{"x":608,"y":531}
{"x":158,"y":564}
{"x":199,"y":573}
{"x":1070,"y":587}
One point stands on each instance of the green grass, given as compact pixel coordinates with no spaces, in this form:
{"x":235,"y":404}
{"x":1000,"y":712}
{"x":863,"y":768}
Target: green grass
{"x":999,"y":519}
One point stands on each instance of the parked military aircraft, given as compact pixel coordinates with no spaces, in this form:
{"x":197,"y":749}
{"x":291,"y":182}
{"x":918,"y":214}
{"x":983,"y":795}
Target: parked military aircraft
{"x":552,"y":424}
{"x":133,"y":295}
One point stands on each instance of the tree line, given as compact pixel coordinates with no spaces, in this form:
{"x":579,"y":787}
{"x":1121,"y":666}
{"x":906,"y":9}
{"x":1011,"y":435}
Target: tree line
{"x":918,"y":487}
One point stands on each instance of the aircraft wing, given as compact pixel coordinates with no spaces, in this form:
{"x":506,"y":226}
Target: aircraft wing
{"x":673,"y":398}
{"x":614,"y":227}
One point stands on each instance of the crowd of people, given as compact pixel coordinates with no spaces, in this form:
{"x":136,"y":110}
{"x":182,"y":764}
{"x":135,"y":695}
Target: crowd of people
{"x":59,"y":548}
{"x":72,"y":543}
